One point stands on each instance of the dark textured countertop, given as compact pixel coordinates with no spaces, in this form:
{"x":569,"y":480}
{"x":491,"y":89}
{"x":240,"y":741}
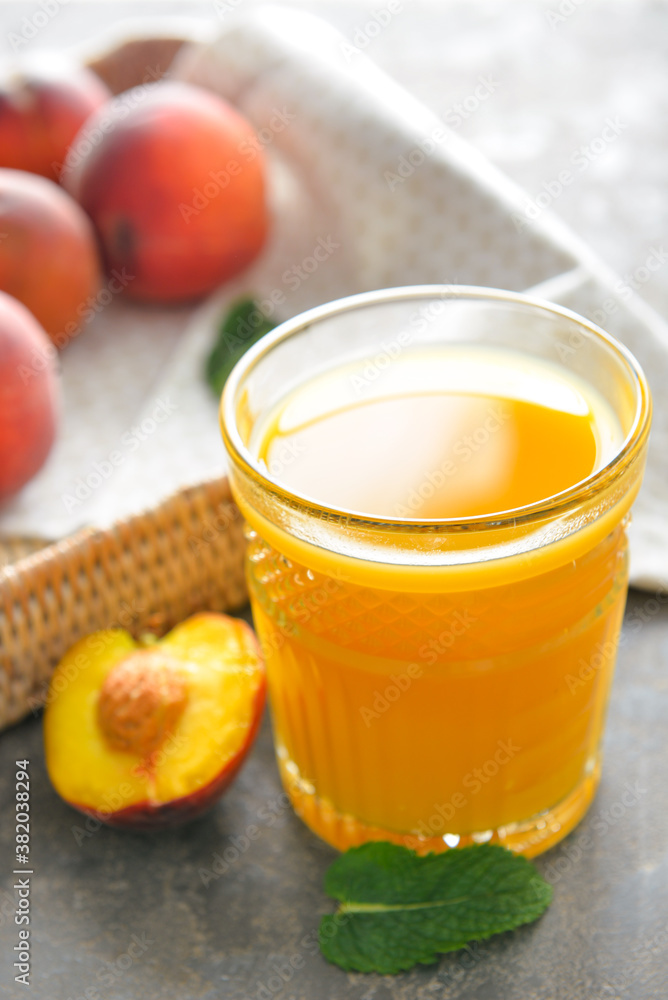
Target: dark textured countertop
{"x":206,"y":912}
{"x":117,"y":915}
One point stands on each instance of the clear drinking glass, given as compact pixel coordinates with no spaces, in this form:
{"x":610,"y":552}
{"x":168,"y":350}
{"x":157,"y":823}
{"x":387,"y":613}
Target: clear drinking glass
{"x":438,"y":683}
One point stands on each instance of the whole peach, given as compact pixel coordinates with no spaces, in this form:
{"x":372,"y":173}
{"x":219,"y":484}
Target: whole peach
{"x":28,"y":396}
{"x":173,"y":178}
{"x":40,"y":113}
{"x":48,"y":253}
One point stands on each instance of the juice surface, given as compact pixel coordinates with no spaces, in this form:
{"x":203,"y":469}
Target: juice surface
{"x":441,"y":435}
{"x":453,"y":715}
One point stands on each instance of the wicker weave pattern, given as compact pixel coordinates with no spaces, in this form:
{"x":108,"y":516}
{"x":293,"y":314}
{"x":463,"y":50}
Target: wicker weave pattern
{"x":12,"y":549}
{"x":147,"y":572}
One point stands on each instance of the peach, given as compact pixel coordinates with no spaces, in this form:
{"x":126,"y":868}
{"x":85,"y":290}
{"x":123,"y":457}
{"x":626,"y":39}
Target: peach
{"x":48,"y":253}
{"x":28,"y":396}
{"x":147,"y":736}
{"x":175,"y":185}
{"x":135,"y":61}
{"x":40,"y":113}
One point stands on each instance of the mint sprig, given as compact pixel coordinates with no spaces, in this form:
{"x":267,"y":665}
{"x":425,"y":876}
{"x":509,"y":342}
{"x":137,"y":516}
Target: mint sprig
{"x":241,"y":327}
{"x":397,"y":909}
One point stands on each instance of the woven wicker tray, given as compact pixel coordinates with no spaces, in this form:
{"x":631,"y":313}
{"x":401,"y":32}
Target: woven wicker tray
{"x":148,"y":572}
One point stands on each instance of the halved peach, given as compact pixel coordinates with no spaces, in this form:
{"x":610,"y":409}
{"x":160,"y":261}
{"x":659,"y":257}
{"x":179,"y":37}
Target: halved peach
{"x":147,"y":736}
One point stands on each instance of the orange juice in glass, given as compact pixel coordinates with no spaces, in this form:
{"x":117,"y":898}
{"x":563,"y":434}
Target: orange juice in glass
{"x":437,"y":482}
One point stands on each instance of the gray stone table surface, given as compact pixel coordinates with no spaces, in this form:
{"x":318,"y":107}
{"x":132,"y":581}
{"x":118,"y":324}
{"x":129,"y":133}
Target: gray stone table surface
{"x":120,"y":915}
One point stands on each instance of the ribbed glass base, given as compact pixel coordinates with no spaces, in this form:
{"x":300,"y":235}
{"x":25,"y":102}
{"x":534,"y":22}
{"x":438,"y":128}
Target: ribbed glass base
{"x":529,"y":837}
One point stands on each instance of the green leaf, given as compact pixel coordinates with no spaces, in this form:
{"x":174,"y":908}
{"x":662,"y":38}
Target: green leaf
{"x":397,"y":909}
{"x":241,"y":327}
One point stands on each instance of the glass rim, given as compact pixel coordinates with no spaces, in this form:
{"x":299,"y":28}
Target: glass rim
{"x":558,"y":503}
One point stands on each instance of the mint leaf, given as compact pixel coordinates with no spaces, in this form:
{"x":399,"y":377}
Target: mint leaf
{"x":241,"y":327}
{"x":397,"y":908}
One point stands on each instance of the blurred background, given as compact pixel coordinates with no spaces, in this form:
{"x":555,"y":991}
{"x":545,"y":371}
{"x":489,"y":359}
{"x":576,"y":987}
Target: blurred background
{"x":561,"y":68}
{"x":552,"y":75}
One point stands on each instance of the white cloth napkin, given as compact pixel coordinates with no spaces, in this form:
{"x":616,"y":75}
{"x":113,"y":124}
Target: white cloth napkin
{"x":369,"y":190}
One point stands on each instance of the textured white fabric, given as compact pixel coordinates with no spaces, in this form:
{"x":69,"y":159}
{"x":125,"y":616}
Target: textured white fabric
{"x":370,"y":187}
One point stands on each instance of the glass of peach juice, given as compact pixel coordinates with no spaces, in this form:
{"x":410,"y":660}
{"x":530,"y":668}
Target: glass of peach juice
{"x":436,"y":483}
